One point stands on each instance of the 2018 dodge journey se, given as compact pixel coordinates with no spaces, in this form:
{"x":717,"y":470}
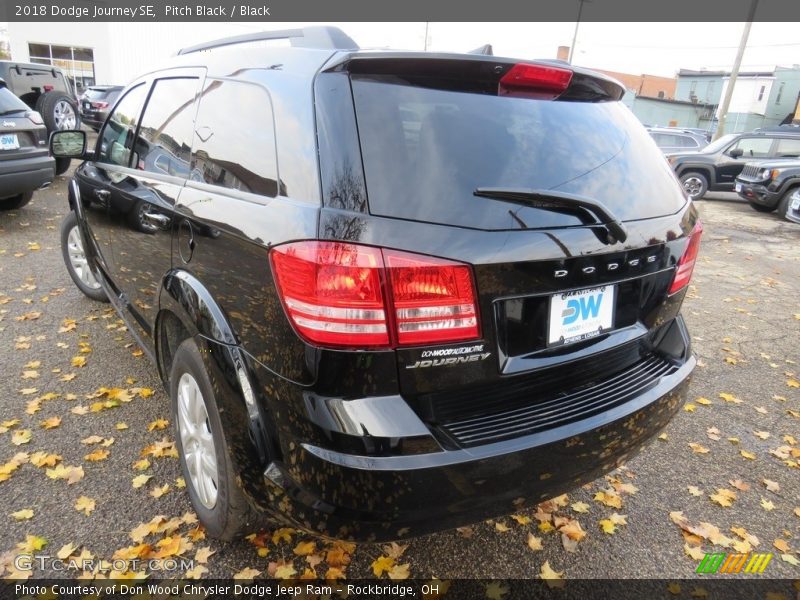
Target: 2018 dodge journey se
{"x":388,"y":292}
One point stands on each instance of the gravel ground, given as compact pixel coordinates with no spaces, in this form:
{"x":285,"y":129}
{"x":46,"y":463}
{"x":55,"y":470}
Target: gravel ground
{"x":742,"y":309}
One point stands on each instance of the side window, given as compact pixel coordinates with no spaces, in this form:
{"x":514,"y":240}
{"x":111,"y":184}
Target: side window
{"x":117,"y":138}
{"x":235,"y":138}
{"x":687,"y":142}
{"x":788,"y":148}
{"x":753,"y":147}
{"x":164,"y":142}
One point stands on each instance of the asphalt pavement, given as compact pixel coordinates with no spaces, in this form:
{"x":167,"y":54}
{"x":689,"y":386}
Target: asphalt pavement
{"x":728,"y":463}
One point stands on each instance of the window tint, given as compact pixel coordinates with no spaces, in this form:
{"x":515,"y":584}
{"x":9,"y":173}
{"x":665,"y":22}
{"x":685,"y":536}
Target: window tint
{"x":117,"y":136}
{"x":9,"y":101}
{"x":164,"y":142}
{"x":788,"y":148}
{"x":426,"y":150}
{"x":753,"y":147}
{"x":231,"y":151}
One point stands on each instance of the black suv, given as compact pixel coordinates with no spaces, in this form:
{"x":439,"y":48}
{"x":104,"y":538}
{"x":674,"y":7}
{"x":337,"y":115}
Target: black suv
{"x":393,"y":292}
{"x":96,"y":102}
{"x":25,"y":164}
{"x":46,"y":90}
{"x":769,"y":185}
{"x":715,"y":167}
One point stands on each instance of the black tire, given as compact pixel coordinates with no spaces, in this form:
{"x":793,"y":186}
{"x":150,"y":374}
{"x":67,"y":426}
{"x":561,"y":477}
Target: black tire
{"x":760,"y":207}
{"x":696,"y":182}
{"x":62,"y":164}
{"x":231,"y":512}
{"x":16,"y":201}
{"x":786,"y":200}
{"x":68,"y":225}
{"x":54,"y":108}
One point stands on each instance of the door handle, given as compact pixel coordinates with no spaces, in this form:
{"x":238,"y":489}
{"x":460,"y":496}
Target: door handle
{"x":102,"y":194}
{"x":156,"y":220}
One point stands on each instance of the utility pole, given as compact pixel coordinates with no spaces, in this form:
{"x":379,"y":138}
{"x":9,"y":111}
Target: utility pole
{"x":575,"y":35}
{"x":726,"y":101}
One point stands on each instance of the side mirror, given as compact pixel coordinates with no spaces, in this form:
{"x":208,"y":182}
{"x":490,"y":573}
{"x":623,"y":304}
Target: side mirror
{"x":736,"y":153}
{"x":68,"y":144}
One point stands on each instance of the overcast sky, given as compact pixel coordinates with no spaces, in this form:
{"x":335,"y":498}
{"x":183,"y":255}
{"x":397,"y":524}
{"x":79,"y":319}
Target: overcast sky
{"x":654,"y":48}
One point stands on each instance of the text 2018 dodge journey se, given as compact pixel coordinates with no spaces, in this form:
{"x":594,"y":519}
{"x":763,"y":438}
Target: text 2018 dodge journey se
{"x":391,"y":292}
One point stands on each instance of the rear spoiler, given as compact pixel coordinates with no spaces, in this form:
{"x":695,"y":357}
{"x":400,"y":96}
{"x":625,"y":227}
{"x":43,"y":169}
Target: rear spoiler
{"x":479,"y":72}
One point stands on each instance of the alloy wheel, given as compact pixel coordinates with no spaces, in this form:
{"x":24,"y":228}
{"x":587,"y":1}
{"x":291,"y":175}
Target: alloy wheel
{"x":78,"y":261}
{"x":197,"y":441}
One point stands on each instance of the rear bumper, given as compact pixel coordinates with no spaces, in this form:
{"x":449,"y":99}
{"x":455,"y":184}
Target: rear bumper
{"x":393,"y":497}
{"x":758,"y":193}
{"x":25,"y":175}
{"x":94,"y":119}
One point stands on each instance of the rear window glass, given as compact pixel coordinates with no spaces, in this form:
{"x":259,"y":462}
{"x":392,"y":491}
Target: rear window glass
{"x":9,"y":101}
{"x":426,"y":150}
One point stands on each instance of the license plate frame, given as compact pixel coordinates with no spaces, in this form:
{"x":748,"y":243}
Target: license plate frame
{"x":9,"y":141}
{"x":591,"y":314}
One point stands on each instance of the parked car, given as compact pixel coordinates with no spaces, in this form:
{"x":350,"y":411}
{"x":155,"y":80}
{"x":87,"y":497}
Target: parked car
{"x":46,"y":90}
{"x":441,"y":285}
{"x":670,"y":139}
{"x":96,"y":102}
{"x":769,"y":185}
{"x":793,"y":214}
{"x":25,"y":164}
{"x":715,"y":167}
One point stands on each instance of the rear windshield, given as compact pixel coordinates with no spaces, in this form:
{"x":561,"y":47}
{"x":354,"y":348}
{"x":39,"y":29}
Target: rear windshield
{"x":93,"y":93}
{"x":9,"y":102}
{"x":426,"y":150}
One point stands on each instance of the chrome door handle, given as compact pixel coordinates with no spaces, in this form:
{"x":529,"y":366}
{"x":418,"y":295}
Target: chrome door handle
{"x":156,"y":220}
{"x":102,"y":194}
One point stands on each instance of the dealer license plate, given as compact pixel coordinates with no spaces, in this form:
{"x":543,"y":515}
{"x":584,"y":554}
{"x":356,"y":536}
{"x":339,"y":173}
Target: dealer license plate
{"x":580,"y":315}
{"x":9,"y":141}
{"x":738,"y":187}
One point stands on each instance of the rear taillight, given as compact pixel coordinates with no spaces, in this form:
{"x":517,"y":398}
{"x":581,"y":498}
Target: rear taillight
{"x":99,"y":105}
{"x":683,"y":272}
{"x":537,"y":81}
{"x":347,"y":295}
{"x":35,"y":118}
{"x":434,"y":299}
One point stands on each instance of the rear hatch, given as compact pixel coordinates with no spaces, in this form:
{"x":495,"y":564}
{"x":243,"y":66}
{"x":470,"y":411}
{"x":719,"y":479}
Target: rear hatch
{"x":20,"y":136}
{"x":557,"y":196}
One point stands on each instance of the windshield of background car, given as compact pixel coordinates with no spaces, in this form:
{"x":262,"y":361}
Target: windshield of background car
{"x":426,"y":150}
{"x":8,"y":101}
{"x":719,"y":144}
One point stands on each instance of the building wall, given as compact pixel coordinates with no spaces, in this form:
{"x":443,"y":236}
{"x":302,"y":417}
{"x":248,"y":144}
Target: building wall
{"x":122,"y":51}
{"x":750,"y":94}
{"x":784,"y":95}
{"x":646,"y":85}
{"x":706,"y":88}
{"x":652,"y":111}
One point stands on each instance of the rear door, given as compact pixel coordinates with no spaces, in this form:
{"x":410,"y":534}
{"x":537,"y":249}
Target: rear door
{"x":144,"y":215}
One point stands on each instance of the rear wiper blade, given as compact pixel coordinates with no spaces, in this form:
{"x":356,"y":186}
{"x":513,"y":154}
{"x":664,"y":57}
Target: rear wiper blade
{"x":549,"y":199}
{"x":13,"y":111}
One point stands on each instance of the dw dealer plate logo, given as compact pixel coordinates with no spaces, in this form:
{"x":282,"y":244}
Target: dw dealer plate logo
{"x":580,"y":315}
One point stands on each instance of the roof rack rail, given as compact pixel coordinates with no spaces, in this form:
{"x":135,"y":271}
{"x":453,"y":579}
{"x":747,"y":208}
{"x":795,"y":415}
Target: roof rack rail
{"x":324,"y":38}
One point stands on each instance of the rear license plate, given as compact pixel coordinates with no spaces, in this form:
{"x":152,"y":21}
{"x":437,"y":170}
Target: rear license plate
{"x":9,"y":141}
{"x":796,"y":203}
{"x":580,"y":315}
{"x":86,"y":106}
{"x":738,"y":187}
